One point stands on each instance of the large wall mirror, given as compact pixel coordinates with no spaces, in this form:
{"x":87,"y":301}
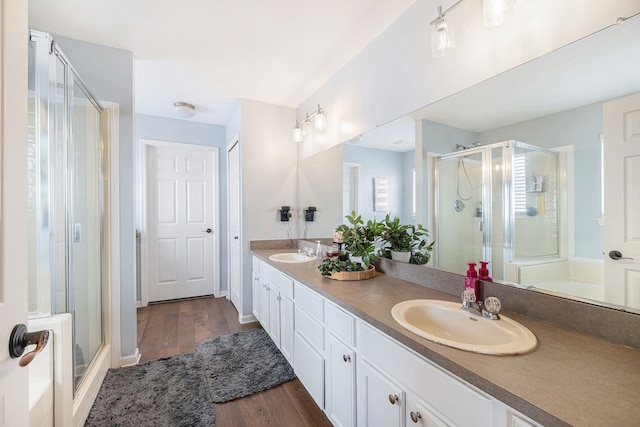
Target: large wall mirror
{"x":543,"y":119}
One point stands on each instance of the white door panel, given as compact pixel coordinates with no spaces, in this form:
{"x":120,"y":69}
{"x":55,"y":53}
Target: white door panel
{"x":14,"y":397}
{"x":181,"y":221}
{"x":622,"y":200}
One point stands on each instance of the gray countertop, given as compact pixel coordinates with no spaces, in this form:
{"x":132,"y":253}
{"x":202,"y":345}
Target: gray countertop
{"x":570,"y":379}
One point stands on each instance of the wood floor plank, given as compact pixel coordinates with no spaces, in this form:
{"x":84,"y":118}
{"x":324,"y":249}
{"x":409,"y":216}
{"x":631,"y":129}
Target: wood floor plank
{"x":167,"y":329}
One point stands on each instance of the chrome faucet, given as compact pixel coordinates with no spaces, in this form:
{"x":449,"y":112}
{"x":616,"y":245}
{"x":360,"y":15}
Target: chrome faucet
{"x":489,"y":308}
{"x":307,"y":251}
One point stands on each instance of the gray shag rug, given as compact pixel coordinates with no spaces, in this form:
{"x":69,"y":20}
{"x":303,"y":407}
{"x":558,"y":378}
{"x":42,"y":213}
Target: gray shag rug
{"x":180,"y":390}
{"x":242,"y":364}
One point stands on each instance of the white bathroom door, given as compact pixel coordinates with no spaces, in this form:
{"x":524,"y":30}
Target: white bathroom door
{"x":622,"y":201}
{"x":14,"y":387}
{"x":235,"y":250}
{"x":182,"y":219}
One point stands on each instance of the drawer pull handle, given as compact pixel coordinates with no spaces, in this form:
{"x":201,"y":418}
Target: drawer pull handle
{"x":393,"y":398}
{"x":415,"y":416}
{"x":346,"y":358}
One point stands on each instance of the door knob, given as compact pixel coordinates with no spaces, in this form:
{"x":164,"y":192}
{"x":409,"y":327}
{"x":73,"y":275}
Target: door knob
{"x":617,"y":255}
{"x":208,"y":230}
{"x":20,"y":339}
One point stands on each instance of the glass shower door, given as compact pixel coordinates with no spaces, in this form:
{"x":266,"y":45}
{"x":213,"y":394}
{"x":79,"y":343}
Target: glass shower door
{"x":459,"y":210}
{"x":85,"y":226}
{"x":65,"y":199}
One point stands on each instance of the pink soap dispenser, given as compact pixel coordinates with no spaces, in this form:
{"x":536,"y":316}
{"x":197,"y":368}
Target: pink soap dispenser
{"x":483,"y":272}
{"x":471,"y":281}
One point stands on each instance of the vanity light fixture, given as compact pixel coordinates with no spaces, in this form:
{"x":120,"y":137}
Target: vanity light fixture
{"x":297,"y":133}
{"x":494,"y":12}
{"x":319,"y":123}
{"x":442,"y":37}
{"x":184,"y":109}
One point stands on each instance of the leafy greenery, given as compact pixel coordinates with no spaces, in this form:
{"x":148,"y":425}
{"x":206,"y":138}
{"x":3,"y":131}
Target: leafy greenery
{"x":336,"y":264}
{"x":359,"y":238}
{"x":405,"y":238}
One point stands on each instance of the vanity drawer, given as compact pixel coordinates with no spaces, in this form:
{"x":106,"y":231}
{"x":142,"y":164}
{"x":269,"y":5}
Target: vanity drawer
{"x":269,"y":272}
{"x":256,"y":264}
{"x":340,"y":323}
{"x":311,"y":329}
{"x":310,"y":301}
{"x":285,"y":284}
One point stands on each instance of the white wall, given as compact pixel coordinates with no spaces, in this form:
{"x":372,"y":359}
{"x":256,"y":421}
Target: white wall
{"x":320,"y":185}
{"x":396,"y":73}
{"x":269,"y":172}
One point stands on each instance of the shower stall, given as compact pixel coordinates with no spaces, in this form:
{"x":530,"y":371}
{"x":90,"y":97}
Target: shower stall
{"x":65,"y":203}
{"x":497,"y":203}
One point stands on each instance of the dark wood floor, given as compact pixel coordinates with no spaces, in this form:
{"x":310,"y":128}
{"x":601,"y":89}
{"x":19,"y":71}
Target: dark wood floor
{"x":176,"y":327}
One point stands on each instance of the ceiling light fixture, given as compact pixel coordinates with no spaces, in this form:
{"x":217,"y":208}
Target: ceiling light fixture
{"x":319,"y":123}
{"x":184,"y":109}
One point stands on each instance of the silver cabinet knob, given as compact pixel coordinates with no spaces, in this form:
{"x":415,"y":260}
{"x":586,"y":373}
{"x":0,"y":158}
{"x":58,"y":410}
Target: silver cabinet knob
{"x":393,"y":398}
{"x":415,"y":416}
{"x":346,"y":358}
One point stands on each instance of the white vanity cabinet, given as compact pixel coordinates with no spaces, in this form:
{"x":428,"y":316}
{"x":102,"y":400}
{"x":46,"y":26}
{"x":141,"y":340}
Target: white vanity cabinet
{"x":255,"y":288}
{"x":272,"y":293}
{"x":340,"y":378}
{"x":380,"y":398}
{"x":413,"y":384}
{"x":357,"y":374}
{"x":309,"y":341}
{"x":285,"y":313}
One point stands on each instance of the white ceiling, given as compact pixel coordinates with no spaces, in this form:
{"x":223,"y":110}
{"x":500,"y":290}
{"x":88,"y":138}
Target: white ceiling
{"x":210,"y":53}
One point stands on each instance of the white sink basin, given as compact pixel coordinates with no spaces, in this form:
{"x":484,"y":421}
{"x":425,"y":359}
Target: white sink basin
{"x":446,"y":323}
{"x":291,"y":257}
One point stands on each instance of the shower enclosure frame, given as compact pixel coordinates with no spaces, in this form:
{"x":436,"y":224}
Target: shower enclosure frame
{"x":54,"y":147}
{"x":507,"y":194}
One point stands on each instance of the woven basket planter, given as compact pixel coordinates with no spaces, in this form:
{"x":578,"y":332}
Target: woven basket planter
{"x":354,"y":275}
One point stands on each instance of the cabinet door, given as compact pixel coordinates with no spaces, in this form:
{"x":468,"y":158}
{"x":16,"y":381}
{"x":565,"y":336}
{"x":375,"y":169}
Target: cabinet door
{"x":340,"y":383}
{"x":309,"y":367}
{"x":264,"y":303}
{"x":420,"y":414}
{"x":255,"y":295}
{"x":286,"y":327}
{"x":380,"y":400}
{"x":274,"y":315}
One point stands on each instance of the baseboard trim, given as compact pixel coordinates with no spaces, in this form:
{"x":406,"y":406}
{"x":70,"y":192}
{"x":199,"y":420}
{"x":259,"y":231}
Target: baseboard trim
{"x":247,"y":319}
{"x":132,"y":359}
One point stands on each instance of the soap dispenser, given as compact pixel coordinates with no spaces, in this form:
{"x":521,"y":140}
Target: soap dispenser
{"x":471,"y":281}
{"x":483,"y":272}
{"x":318,"y":250}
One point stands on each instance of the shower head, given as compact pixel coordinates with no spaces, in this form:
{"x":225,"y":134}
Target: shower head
{"x":460,"y":147}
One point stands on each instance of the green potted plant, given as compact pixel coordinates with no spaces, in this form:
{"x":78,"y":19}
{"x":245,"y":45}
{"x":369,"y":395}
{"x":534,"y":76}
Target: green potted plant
{"x":405,"y":242}
{"x":359,"y":248}
{"x":360,"y":237}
